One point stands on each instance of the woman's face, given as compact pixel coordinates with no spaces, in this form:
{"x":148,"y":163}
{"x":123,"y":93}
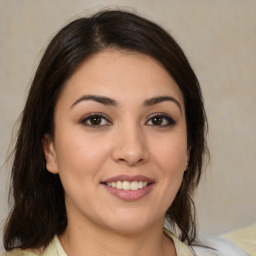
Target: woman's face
{"x":120,"y":144}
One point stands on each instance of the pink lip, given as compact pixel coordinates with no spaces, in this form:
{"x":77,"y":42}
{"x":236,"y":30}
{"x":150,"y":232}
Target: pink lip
{"x":129,"y":195}
{"x":128,"y":178}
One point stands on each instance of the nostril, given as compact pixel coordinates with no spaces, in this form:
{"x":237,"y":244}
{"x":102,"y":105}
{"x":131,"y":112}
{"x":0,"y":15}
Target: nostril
{"x":130,"y":154}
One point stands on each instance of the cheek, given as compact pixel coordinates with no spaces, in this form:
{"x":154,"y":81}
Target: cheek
{"x":171,"y":154}
{"x":81,"y":155}
{"x":172,"y":165}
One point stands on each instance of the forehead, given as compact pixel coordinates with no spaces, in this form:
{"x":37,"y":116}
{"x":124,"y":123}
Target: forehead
{"x":122,"y":74}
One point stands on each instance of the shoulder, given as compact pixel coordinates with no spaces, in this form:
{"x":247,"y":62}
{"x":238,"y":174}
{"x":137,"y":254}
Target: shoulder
{"x":50,"y":250}
{"x":181,"y":248}
{"x":209,"y":246}
{"x":217,"y":247}
{"x":19,"y":252}
{"x":244,"y":238}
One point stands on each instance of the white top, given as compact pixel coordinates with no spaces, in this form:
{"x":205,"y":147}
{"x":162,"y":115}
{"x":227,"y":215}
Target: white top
{"x":222,"y":248}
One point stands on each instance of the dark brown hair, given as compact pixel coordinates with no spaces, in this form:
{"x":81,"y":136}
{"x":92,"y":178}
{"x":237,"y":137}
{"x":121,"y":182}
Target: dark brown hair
{"x":38,"y":211}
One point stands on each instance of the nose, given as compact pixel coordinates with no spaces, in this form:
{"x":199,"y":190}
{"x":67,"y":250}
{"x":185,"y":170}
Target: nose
{"x":130,"y":147}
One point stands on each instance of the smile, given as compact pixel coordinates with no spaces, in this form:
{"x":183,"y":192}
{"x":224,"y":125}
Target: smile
{"x":129,"y":188}
{"x":127,"y":185}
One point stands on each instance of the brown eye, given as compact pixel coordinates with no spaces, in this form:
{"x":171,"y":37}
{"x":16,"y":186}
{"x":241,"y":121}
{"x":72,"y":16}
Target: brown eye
{"x":157,"y":120}
{"x":95,"y":120}
{"x":161,"y":120}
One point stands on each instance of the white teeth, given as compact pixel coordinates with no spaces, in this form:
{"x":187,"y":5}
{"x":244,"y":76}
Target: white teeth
{"x":127,"y":185}
{"x":119,"y":185}
{"x":134,"y":185}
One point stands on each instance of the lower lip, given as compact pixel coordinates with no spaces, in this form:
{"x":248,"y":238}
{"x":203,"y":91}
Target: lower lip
{"x":130,"y":195}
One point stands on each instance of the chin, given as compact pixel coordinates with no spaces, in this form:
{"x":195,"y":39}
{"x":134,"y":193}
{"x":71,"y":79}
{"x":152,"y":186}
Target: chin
{"x":129,"y":225}
{"x":130,"y":230}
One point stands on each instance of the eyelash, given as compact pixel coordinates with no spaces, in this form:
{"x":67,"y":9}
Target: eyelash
{"x":169,"y":121}
{"x":95,"y":115}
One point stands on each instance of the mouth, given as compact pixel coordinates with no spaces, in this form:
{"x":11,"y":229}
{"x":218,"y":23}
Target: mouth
{"x":127,"y":185}
{"x":129,"y":188}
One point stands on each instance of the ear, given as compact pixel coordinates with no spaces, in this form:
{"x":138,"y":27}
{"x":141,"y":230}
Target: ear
{"x":188,"y":156}
{"x":50,"y":154}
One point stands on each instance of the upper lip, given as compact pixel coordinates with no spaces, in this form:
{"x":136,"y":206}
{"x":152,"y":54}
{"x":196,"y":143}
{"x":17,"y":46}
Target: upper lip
{"x":128,"y":178}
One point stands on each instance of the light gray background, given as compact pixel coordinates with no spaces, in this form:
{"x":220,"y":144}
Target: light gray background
{"x":219,"y":38}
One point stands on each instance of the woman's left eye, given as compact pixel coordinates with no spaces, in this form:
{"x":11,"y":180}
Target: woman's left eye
{"x":95,"y":120}
{"x":161,"y":120}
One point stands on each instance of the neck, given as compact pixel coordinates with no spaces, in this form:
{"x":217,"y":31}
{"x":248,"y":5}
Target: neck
{"x":96,"y":241}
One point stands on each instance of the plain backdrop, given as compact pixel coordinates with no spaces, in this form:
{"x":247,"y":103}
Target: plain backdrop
{"x":219,"y":38}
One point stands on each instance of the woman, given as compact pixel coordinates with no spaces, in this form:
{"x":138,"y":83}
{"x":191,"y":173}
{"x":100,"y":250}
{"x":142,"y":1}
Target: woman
{"x":111,"y":144}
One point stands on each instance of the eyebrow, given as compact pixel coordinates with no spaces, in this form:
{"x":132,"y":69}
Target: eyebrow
{"x":155,"y":100}
{"x":100,"y":99}
{"x":111,"y":102}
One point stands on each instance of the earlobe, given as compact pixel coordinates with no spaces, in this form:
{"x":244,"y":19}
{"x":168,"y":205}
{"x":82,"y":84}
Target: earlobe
{"x":187,"y":159}
{"x":188,"y":155}
{"x":49,"y":154}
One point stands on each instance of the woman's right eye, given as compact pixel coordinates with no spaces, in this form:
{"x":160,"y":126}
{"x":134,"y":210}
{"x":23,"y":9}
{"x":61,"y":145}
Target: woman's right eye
{"x":95,"y":121}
